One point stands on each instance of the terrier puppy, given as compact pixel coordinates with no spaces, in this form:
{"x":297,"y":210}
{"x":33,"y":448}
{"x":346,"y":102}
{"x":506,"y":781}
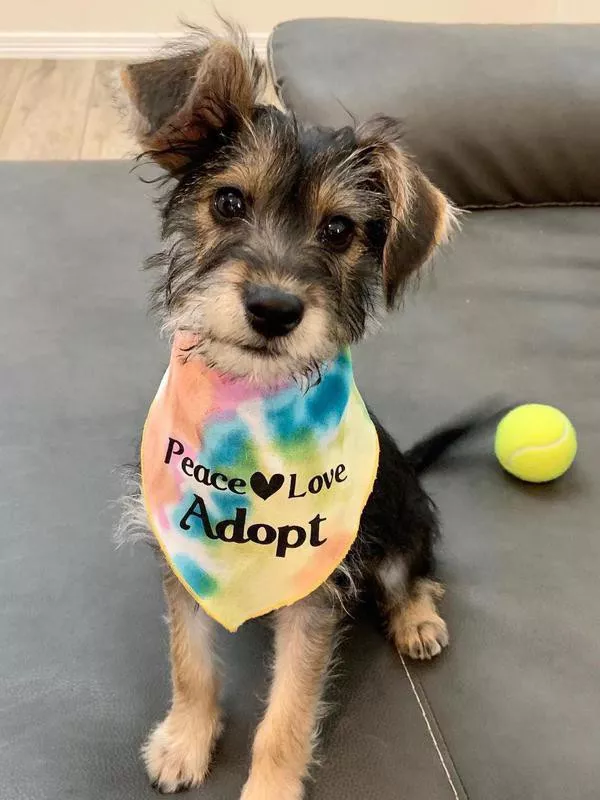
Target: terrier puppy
{"x":285,"y":244}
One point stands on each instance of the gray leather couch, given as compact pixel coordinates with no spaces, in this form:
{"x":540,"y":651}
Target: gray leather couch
{"x":506,"y":118}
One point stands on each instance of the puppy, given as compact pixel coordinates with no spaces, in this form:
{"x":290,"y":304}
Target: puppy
{"x":338,"y":220}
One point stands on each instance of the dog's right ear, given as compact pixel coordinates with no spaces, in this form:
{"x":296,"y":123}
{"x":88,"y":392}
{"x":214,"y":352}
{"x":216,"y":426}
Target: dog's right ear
{"x":182,"y":98}
{"x":421,"y":216}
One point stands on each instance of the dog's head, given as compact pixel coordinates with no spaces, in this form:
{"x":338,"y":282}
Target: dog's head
{"x":284,"y":242}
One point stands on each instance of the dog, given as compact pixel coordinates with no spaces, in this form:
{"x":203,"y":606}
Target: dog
{"x":329,"y":226}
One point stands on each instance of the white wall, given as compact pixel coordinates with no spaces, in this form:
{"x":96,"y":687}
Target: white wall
{"x":259,"y":16}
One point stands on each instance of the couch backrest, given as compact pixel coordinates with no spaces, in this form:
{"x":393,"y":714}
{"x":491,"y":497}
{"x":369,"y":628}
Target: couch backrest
{"x":497,"y":115}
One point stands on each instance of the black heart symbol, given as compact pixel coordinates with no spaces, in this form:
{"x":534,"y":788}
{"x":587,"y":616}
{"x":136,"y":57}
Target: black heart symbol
{"x":265,"y":488}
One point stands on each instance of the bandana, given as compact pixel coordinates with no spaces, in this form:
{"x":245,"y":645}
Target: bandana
{"x":255,"y":494}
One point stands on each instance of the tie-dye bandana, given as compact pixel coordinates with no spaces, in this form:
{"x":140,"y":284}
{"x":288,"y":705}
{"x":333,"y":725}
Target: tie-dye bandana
{"x":255,"y":495}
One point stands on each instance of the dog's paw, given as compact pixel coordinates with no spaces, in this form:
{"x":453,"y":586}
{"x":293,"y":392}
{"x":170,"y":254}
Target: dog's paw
{"x":178,"y":752}
{"x":270,"y":787}
{"x":422,"y":639}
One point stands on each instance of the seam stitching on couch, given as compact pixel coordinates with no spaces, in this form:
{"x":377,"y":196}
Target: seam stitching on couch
{"x":549,"y":204}
{"x":433,"y":737}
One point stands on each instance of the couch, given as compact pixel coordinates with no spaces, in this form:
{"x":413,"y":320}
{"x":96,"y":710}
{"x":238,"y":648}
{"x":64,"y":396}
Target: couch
{"x":506,"y":120}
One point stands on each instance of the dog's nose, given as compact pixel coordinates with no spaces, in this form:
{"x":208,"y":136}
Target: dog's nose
{"x":271,"y":311}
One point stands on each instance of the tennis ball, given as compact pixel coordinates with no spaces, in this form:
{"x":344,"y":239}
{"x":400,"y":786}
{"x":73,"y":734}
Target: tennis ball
{"x":536,"y":443}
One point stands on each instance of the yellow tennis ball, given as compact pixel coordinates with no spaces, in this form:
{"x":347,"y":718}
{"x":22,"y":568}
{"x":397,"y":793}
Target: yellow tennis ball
{"x":536,"y":443}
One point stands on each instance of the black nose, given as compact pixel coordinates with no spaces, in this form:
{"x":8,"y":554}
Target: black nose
{"x":271,"y":311}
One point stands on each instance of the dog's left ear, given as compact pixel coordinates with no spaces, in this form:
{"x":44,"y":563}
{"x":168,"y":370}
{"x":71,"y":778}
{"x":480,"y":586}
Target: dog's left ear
{"x":207,"y":85}
{"x":421,"y":216}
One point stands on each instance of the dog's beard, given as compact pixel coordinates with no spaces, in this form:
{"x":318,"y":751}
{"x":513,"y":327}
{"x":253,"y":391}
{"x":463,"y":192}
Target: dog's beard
{"x":227,"y":343}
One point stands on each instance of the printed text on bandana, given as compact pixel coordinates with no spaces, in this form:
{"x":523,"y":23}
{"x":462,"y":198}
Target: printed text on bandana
{"x":285,"y":537}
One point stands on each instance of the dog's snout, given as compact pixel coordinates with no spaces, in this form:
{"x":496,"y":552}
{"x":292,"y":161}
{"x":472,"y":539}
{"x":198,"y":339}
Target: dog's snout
{"x":271,"y":311}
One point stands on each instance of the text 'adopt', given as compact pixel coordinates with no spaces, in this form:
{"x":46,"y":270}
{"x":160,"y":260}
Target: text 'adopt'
{"x":288,"y":537}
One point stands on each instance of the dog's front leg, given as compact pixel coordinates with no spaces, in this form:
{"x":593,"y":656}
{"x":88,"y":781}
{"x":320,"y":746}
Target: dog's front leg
{"x":304,"y":641}
{"x":178,"y":751}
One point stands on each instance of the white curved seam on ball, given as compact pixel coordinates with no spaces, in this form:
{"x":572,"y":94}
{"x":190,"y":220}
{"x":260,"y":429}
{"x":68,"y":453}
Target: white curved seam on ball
{"x":532,"y":447}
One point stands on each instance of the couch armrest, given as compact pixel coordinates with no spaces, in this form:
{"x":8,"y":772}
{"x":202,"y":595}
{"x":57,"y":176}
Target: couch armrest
{"x":496,"y":114}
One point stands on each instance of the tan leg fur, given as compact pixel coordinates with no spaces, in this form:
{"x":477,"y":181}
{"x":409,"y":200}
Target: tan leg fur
{"x":415,"y":625}
{"x":178,"y":752}
{"x":283,"y":746}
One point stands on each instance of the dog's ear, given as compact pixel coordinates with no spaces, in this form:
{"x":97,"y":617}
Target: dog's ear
{"x":421,"y":216}
{"x":179,"y":100}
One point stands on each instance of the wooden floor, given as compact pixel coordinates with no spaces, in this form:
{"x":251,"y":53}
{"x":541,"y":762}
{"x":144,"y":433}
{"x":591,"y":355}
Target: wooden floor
{"x":59,"y":110}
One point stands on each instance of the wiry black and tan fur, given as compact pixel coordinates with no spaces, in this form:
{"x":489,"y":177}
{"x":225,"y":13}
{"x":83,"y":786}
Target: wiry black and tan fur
{"x":338,"y":220}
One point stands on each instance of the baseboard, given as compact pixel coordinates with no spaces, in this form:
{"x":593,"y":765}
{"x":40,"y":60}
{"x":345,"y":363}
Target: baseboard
{"x":93,"y":45}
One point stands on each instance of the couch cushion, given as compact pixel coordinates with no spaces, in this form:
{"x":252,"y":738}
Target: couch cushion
{"x":513,"y":704}
{"x":496,"y":114}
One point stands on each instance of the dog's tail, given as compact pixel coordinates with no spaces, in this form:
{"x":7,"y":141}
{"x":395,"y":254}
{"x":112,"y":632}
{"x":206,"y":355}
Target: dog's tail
{"x":426,"y":452}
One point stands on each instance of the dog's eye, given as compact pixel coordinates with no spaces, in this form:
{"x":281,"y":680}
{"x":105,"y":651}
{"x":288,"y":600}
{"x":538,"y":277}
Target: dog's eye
{"x":337,"y":232}
{"x":229,"y":203}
